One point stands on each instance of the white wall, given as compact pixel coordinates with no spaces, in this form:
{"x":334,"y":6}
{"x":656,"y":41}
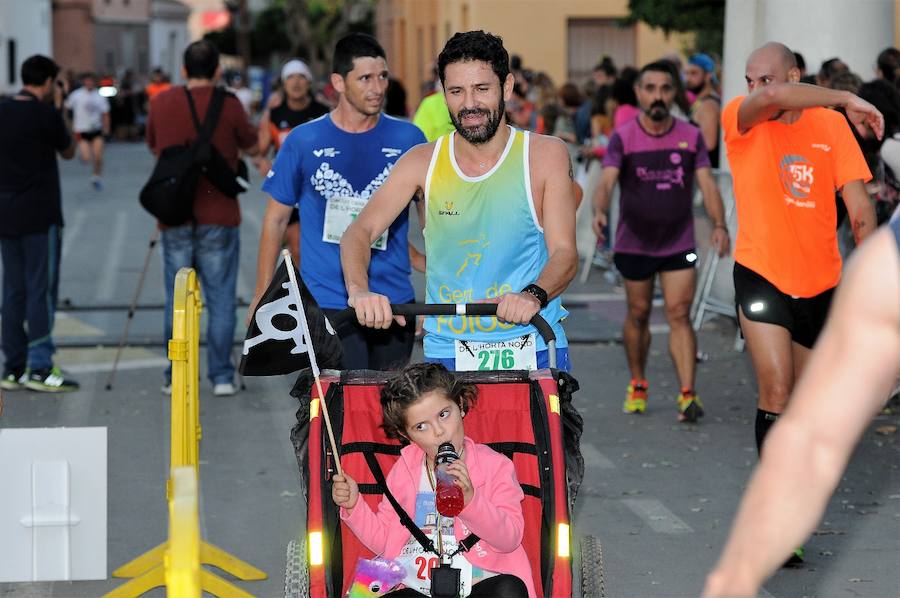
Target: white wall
{"x":853,"y":30}
{"x":168,"y":39}
{"x":28,"y":24}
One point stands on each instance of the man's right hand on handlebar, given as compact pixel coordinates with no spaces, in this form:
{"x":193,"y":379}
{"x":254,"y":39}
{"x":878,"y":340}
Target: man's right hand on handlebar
{"x":373,"y":310}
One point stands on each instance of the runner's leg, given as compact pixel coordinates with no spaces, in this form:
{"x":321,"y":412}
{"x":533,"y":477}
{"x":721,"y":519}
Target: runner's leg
{"x":636,"y":330}
{"x":678,"y":294}
{"x":84,"y":151}
{"x":771,"y":352}
{"x":97,"y":151}
{"x":801,"y":356}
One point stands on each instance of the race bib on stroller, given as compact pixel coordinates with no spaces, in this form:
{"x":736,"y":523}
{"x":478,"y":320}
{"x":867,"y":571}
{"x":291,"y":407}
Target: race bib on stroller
{"x":518,"y":353}
{"x":340,"y":212}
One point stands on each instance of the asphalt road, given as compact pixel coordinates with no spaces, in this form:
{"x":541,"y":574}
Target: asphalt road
{"x":659,"y":495}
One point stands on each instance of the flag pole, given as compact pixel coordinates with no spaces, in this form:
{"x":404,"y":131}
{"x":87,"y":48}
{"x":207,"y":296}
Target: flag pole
{"x":295,"y":291}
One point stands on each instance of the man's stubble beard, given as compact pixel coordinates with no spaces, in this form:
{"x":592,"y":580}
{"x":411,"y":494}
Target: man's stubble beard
{"x":485,"y":132}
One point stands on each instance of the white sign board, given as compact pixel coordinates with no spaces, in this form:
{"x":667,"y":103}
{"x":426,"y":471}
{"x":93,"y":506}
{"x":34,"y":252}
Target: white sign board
{"x":52,"y":504}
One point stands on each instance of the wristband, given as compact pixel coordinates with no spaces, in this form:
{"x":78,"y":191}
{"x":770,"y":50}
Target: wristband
{"x":538,"y":293}
{"x":722,"y":226}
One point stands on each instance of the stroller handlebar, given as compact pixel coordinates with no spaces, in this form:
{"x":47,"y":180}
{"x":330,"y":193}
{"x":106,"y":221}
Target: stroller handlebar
{"x":467,"y":309}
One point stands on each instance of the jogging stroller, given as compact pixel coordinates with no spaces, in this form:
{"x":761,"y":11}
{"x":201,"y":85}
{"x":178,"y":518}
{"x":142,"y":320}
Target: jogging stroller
{"x":527,"y":416}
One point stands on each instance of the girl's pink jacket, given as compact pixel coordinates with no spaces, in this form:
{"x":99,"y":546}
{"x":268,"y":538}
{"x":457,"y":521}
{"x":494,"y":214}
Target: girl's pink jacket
{"x":494,"y":513}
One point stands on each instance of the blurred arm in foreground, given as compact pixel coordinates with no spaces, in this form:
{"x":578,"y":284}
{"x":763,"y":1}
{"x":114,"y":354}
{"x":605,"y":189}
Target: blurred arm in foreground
{"x":810,"y":445}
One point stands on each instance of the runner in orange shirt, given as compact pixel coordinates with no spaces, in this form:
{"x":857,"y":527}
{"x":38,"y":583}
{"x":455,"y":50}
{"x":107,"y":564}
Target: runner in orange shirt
{"x":789,"y":154}
{"x":158,"y":83}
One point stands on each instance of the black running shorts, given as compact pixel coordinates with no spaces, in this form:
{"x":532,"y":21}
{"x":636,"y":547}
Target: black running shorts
{"x":760,"y":301}
{"x":633,"y":266}
{"x":90,"y":135}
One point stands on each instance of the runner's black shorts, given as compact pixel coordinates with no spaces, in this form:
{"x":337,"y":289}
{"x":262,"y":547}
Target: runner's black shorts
{"x":633,"y":266}
{"x":90,"y":135}
{"x":760,"y":301}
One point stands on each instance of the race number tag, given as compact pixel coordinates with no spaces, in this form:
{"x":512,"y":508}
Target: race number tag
{"x":518,"y":353}
{"x":339,"y":213}
{"x":418,"y":565}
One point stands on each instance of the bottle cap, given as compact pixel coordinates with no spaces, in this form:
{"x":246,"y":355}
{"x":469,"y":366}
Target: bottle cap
{"x":445,"y":454}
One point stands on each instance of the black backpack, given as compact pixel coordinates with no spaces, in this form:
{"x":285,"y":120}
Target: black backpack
{"x":169,"y":193}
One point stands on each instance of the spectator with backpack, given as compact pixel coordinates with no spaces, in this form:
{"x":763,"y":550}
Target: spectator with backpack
{"x":207,"y":236}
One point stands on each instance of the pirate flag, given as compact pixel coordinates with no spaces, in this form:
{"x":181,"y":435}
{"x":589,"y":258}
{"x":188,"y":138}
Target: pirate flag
{"x":276,"y":343}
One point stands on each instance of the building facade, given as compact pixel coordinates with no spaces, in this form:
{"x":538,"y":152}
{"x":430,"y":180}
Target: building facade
{"x":564,"y":38}
{"x":25,"y":30}
{"x":168,"y":35}
{"x":114,"y":36}
{"x":122,"y":34}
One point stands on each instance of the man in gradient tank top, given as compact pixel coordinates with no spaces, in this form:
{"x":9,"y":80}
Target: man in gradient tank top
{"x":499,"y":213}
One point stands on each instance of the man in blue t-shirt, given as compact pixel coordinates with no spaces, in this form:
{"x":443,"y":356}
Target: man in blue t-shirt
{"x":329,"y":168}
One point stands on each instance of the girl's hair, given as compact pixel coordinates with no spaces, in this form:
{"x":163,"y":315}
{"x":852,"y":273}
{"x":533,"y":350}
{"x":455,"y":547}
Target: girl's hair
{"x":408,"y":386}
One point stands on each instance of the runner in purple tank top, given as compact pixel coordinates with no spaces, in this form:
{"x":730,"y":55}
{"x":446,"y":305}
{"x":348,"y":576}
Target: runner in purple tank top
{"x":656,"y":158}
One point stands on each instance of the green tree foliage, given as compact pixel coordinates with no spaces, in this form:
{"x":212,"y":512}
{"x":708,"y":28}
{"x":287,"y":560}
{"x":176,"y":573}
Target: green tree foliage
{"x":704,"y":18}
{"x":314,"y":26}
{"x":268,"y":35}
{"x":307,"y":29}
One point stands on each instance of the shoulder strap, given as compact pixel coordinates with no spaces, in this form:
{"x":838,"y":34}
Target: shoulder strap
{"x":405,"y":519}
{"x":213,"y":111}
{"x":465,"y":544}
{"x":190,"y":100}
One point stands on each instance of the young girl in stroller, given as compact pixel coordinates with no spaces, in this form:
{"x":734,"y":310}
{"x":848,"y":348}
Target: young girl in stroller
{"x":425,"y":405}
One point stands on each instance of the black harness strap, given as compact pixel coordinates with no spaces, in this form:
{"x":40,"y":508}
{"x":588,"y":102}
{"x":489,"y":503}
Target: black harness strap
{"x":465,"y":544}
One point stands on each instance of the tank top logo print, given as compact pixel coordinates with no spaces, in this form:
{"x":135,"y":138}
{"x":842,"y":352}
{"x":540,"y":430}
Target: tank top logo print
{"x":448,"y":209}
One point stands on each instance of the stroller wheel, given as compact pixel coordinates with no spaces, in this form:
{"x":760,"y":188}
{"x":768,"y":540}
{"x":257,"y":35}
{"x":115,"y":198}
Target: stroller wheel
{"x":296,"y":571}
{"x":591,"y":568}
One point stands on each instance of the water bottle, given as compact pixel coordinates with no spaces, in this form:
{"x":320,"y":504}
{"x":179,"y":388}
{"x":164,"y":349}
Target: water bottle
{"x":448,"y":497}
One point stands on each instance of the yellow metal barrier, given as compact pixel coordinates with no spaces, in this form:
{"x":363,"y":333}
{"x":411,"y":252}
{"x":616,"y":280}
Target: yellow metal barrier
{"x":151,"y":569}
{"x":182,"y":560}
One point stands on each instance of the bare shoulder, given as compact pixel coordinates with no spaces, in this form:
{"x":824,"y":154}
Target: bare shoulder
{"x":554,"y":156}
{"x":549,"y":147}
{"x":417,"y":158}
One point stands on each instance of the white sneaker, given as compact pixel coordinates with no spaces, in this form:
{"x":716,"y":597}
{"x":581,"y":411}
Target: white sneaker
{"x":224,"y":389}
{"x":166,"y":389}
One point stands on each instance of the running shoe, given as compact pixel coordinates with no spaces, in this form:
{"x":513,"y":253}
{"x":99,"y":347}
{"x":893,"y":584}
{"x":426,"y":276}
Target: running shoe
{"x":49,"y":380}
{"x":224,"y":389}
{"x":13,"y":380}
{"x":636,"y":397}
{"x":690,"y":409}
